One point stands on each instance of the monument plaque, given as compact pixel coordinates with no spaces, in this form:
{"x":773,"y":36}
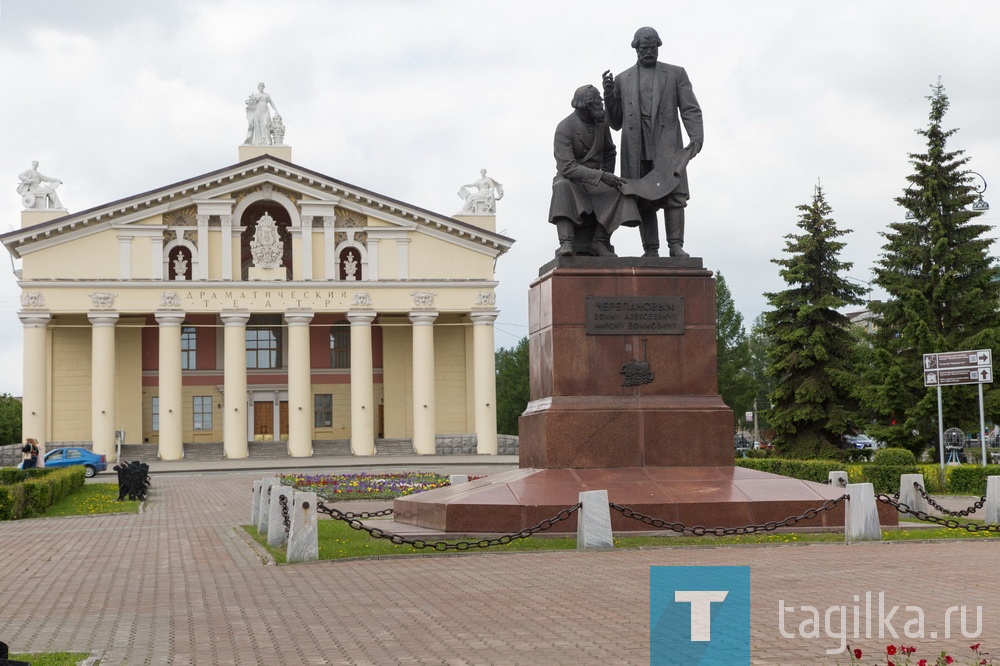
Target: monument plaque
{"x":635,"y":315}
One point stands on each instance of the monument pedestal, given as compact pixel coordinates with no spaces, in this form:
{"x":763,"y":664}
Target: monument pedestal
{"x":624,"y":398}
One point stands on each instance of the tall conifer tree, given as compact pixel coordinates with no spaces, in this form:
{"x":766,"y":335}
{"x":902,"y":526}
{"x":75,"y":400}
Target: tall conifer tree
{"x":943,"y":294}
{"x":810,"y":344}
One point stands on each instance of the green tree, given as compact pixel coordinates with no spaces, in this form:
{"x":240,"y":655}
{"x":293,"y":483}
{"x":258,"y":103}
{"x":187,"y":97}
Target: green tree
{"x":513,"y":385}
{"x":757,"y":344}
{"x":810,"y":343}
{"x":732,"y":352}
{"x":10,"y":419}
{"x":943,"y":295}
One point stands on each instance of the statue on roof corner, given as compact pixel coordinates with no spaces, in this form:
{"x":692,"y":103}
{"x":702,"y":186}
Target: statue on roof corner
{"x":259,"y":124}
{"x":482,"y":200}
{"x":38,"y":191}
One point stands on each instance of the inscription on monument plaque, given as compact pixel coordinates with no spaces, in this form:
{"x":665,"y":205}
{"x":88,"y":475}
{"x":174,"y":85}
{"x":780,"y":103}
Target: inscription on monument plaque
{"x":635,"y":315}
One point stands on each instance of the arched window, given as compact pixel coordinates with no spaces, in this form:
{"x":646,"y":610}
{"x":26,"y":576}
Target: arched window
{"x":340,"y":345}
{"x":189,"y":344}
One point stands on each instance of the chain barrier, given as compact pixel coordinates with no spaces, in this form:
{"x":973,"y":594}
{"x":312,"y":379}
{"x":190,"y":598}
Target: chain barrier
{"x":960,"y":514}
{"x":365,"y":515}
{"x":442,"y":546}
{"x":923,"y":515}
{"x":283,"y":500}
{"x":699,"y":530}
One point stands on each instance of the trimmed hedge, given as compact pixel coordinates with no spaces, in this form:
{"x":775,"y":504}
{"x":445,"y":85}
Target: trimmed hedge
{"x":33,"y":495}
{"x":970,"y":479}
{"x":807,"y":470}
{"x":895,"y":457}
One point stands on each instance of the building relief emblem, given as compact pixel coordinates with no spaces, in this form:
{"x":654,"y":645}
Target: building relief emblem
{"x":362,"y":300}
{"x":348,"y":219}
{"x":191,"y":236}
{"x":170,"y":299}
{"x":268,"y":190}
{"x":102,"y":300}
{"x":486,"y":299}
{"x":423,"y":299}
{"x":169,"y":236}
{"x":185,"y":217}
{"x":266,"y":247}
{"x":32,"y":299}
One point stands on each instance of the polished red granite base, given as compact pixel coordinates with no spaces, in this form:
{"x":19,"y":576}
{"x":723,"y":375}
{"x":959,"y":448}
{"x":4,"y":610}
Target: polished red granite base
{"x":721,"y":496}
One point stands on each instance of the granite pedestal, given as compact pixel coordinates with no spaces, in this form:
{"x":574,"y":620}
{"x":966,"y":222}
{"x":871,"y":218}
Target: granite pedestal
{"x":624,"y":398}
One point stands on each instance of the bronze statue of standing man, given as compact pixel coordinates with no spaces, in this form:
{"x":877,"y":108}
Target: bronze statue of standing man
{"x":648,"y":102}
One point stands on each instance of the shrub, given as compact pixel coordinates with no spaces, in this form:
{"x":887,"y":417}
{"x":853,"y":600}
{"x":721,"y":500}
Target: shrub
{"x":807,"y":470}
{"x":898,"y":457}
{"x":885,"y":478}
{"x":33,"y":495}
{"x":970,"y":479}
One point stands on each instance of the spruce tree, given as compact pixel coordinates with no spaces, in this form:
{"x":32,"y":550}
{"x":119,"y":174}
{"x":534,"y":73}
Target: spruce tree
{"x":732,"y":352}
{"x":810,"y":343}
{"x":943,"y":294}
{"x":513,"y":385}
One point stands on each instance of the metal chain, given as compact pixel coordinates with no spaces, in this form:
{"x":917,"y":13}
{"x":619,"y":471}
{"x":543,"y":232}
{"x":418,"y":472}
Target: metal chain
{"x":283,"y":500}
{"x":365,"y":515}
{"x":699,"y":530}
{"x":923,"y":515}
{"x":964,"y":512}
{"x":841,"y":481}
{"x":442,"y":546}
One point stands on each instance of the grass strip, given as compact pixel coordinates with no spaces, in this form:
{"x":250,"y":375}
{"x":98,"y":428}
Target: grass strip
{"x":51,"y":658}
{"x":93,"y":499}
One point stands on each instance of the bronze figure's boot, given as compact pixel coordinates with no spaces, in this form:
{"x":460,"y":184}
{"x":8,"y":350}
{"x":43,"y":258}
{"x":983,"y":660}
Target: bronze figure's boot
{"x":649,"y":233}
{"x":566,"y":233}
{"x":601,"y":245}
{"x":674,"y":218}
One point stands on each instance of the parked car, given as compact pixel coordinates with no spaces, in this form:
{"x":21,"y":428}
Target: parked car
{"x":72,"y":455}
{"x":861,"y":441}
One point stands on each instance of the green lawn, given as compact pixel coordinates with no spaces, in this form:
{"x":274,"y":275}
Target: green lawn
{"x":337,"y":540}
{"x":92,"y":499}
{"x":51,"y":658}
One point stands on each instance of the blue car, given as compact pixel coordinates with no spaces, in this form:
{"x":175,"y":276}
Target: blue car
{"x":72,"y":455}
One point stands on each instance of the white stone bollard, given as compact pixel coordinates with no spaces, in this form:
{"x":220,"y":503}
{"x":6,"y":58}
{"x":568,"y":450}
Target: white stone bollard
{"x":276,"y":534}
{"x":303,"y":538}
{"x":861,"y":515}
{"x":909,"y":495}
{"x":255,"y":509}
{"x":838,"y":479}
{"x":593,"y":523}
{"x":992,"y":516}
{"x":264,"y":507}
{"x":459,"y":478}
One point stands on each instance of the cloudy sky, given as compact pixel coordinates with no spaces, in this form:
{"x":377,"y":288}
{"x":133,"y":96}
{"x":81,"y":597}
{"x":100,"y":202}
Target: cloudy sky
{"x":411,"y":98}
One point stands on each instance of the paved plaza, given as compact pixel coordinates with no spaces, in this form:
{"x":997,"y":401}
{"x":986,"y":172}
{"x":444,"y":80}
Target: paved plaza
{"x":178,"y":584}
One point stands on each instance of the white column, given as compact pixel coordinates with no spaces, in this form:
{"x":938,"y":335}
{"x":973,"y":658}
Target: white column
{"x":372,"y":259}
{"x":34,"y":404}
{"x":300,"y":407}
{"x":362,"y":385}
{"x":424,"y":408}
{"x":234,"y":420}
{"x":307,"y":249}
{"x":125,"y":257}
{"x":202,"y":248}
{"x":102,"y":382}
{"x":169,"y":373}
{"x":227,"y":249}
{"x":484,"y":381}
{"x":403,"y":257}
{"x":156,"y":251}
{"x":330,"y":271}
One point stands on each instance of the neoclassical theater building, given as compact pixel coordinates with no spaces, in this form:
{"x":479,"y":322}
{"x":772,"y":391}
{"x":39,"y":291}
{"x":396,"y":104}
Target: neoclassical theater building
{"x":262,"y":306}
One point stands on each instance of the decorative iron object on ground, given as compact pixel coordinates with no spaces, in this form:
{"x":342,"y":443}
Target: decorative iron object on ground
{"x":442,"y":546}
{"x":923,"y":515}
{"x":699,"y":530}
{"x":133,"y":480}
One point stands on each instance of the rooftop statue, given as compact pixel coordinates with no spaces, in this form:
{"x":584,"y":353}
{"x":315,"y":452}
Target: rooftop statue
{"x":35,"y":193}
{"x":644,"y":102}
{"x":259,"y":125}
{"x":482,"y":199}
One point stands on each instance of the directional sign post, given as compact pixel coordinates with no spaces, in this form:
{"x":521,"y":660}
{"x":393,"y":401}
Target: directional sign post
{"x":952,"y":369}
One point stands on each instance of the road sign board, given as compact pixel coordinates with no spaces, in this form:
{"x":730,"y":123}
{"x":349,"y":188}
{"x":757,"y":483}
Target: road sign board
{"x":964,"y":367}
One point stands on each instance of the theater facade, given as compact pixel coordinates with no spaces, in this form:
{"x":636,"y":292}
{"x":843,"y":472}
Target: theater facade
{"x":262,"y":304}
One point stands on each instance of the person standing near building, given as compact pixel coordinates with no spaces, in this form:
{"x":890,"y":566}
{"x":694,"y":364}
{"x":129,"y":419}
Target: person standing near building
{"x":648,"y":102}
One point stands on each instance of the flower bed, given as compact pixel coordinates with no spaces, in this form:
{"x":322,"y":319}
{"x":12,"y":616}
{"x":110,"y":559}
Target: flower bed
{"x":342,"y":487}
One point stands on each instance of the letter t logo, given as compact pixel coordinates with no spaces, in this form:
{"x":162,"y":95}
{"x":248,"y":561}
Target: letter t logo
{"x":701,"y":610}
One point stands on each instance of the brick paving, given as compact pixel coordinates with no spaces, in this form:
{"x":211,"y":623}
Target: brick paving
{"x":179,"y":585}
